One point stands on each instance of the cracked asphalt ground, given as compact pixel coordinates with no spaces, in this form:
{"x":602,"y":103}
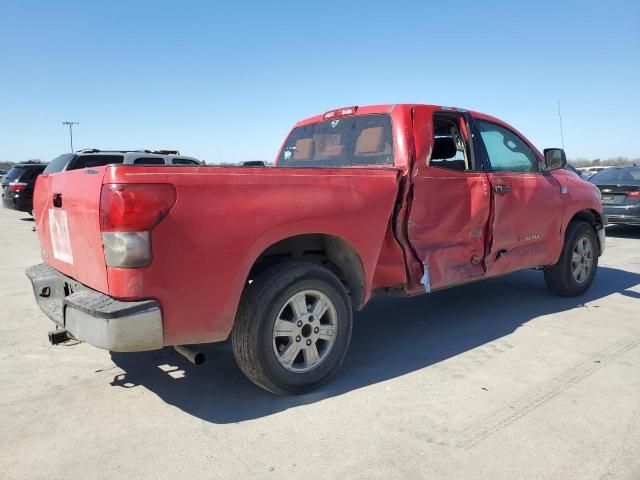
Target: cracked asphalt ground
{"x":495,"y":380}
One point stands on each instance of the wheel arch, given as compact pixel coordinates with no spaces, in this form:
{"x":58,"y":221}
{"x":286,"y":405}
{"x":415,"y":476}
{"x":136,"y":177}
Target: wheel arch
{"x":596,"y":220}
{"x":330,"y":251}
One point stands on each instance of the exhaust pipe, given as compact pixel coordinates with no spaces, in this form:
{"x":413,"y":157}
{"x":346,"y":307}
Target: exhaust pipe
{"x":194,"y":356}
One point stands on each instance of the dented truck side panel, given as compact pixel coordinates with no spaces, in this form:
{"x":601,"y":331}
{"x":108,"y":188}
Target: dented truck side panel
{"x":447,"y":224}
{"x":449,"y":215}
{"x":526,"y":223}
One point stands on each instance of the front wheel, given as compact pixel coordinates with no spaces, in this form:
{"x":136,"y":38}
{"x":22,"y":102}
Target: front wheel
{"x":576,"y":268}
{"x":293,"y":328}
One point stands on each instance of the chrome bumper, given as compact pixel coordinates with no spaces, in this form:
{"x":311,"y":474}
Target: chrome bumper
{"x":94,"y":317}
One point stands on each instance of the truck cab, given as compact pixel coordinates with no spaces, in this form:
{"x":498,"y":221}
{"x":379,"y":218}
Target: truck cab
{"x":483,"y":200}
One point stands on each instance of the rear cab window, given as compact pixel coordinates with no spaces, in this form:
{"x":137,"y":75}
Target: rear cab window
{"x":340,"y":142}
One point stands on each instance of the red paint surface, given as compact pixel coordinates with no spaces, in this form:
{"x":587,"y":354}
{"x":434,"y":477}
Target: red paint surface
{"x":526,"y":223}
{"x":397,"y":218}
{"x":80,"y":199}
{"x":448,"y":222}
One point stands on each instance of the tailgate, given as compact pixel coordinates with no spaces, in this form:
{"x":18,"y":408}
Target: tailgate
{"x":67,"y":213}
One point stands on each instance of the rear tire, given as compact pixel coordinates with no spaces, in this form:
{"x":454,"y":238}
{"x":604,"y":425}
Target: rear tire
{"x":576,"y":268}
{"x":293,"y":328}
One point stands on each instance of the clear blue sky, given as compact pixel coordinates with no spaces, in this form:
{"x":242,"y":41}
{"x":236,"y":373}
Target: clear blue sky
{"x":227,"y":80}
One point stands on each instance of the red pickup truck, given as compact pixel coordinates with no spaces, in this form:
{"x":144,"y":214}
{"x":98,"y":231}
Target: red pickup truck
{"x":397,"y":199}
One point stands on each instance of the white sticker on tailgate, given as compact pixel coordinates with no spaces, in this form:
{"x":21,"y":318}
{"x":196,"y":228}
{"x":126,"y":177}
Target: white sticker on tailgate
{"x":59,"y":230}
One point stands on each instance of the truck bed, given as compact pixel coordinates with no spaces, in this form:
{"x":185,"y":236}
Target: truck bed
{"x":224,"y":218}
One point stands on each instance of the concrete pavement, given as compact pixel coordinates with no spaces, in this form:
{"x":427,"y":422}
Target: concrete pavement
{"x":495,"y":380}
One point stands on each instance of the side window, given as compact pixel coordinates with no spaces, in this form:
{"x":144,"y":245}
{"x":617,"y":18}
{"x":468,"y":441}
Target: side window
{"x":149,"y":161}
{"x":31,"y":174}
{"x":506,"y":151}
{"x":58,"y":164}
{"x":90,"y":161}
{"x":185,"y":161}
{"x":450,"y":147}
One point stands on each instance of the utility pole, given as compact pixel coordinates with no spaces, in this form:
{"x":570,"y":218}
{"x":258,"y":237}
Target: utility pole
{"x":561,"y":132}
{"x":71,"y":124}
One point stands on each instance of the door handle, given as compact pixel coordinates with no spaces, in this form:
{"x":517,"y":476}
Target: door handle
{"x":502,"y":188}
{"x":57,"y":200}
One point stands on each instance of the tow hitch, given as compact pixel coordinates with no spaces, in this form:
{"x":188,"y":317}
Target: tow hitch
{"x":59,"y":336}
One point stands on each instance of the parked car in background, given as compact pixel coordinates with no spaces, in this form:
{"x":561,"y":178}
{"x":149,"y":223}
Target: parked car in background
{"x":593,"y":170}
{"x":575,"y":170}
{"x":620,"y":189}
{"x":96,"y":158}
{"x":396,"y":199}
{"x":18,"y":185}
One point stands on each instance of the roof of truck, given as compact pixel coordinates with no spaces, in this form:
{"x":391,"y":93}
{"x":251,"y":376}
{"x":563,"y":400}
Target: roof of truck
{"x":388,"y":108}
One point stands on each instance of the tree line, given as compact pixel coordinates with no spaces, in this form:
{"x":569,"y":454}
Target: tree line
{"x":585,"y":162}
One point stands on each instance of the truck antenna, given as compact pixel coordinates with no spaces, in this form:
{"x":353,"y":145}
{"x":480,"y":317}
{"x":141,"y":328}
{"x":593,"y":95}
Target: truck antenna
{"x":560,"y":118}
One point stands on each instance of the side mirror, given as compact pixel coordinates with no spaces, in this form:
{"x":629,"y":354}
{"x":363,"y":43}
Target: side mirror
{"x":554,"y":158}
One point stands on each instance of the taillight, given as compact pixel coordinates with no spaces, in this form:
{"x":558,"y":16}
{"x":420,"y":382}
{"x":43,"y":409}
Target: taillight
{"x":634,"y":194}
{"x":17,"y":186}
{"x":126,"y":249}
{"x":134,"y":208}
{"x":128,"y":213}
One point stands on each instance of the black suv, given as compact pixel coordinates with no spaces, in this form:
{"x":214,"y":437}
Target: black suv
{"x":18,"y":184}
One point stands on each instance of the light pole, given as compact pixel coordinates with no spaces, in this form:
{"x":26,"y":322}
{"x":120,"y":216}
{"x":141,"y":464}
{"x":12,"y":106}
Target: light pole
{"x":71,"y":124}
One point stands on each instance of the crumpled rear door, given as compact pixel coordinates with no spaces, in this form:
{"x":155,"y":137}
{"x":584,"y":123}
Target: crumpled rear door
{"x":449,"y":215}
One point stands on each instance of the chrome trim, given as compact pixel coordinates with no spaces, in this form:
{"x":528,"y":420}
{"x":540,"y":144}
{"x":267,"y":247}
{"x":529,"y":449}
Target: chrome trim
{"x":137,"y":332}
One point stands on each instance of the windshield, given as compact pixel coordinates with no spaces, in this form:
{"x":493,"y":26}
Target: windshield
{"x":340,"y":142}
{"x":617,"y":175}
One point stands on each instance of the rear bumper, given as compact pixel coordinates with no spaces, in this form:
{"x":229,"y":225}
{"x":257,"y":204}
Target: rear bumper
{"x":94,"y":317}
{"x":623,"y":214}
{"x":18,"y":203}
{"x":8,"y":203}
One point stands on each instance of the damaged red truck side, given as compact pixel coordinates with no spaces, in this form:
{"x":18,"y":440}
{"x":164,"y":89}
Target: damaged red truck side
{"x":400,"y":199}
